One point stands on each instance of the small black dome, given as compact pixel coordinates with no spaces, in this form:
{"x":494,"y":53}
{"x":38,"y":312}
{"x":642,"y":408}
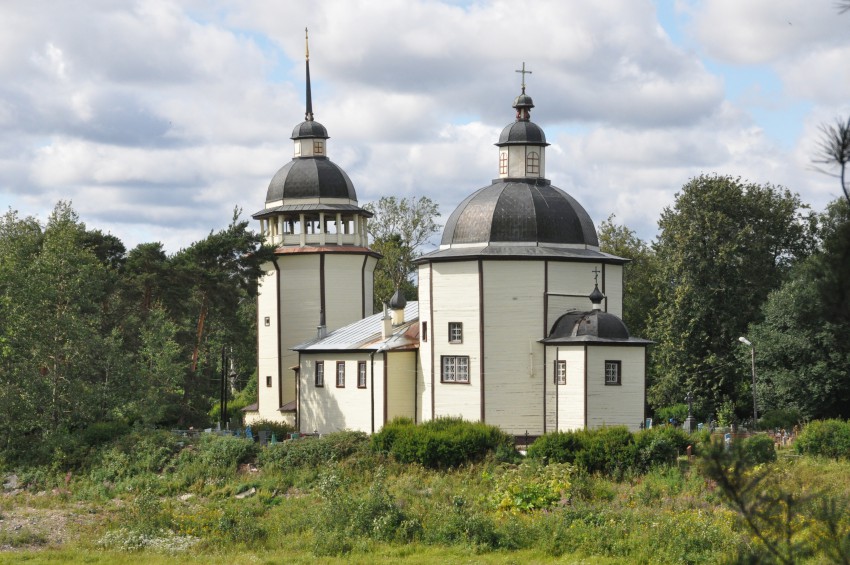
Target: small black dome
{"x":528,"y":211}
{"x":398,"y":301}
{"x":523,"y":101}
{"x":596,"y":297}
{"x":589,"y":324}
{"x":310,"y":177}
{"x":522,"y":133}
{"x":309,"y":129}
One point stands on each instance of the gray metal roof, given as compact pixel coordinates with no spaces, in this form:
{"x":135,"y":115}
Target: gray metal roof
{"x":522,"y":133}
{"x":521,"y":252}
{"x":594,"y":326}
{"x":366,"y":334}
{"x":311,"y":208}
{"x":310,"y":177}
{"x":520,"y":210}
{"x":309,"y":129}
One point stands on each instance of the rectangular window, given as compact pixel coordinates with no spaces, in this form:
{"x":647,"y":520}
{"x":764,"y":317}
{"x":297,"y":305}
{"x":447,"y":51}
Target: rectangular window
{"x":455,"y":332}
{"x":320,"y":373}
{"x":269,"y":380}
{"x":503,"y":162}
{"x":361,"y":374}
{"x":560,"y":372}
{"x":612,"y":372}
{"x":455,"y":369}
{"x":268,"y":321}
{"x":340,"y":374}
{"x":318,"y":147}
{"x":424,"y":331}
{"x":532,"y":163}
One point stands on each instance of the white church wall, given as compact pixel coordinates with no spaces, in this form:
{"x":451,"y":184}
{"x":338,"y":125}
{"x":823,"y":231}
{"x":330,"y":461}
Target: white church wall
{"x":330,"y":408}
{"x":267,"y":346}
{"x":570,"y":284}
{"x":299,"y":292}
{"x":614,"y":289}
{"x":513,"y":324}
{"x":455,"y":293}
{"x":401,"y":385}
{"x":613,"y":405}
{"x":344,"y":293}
{"x":570,"y":400}
{"x":424,"y":401}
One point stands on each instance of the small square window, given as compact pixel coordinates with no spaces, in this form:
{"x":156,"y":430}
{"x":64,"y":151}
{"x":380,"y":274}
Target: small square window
{"x":269,"y":380}
{"x":612,"y":372}
{"x":455,"y":369}
{"x":320,"y":373}
{"x":361,"y":374}
{"x":455,"y":332}
{"x":268,"y":320}
{"x":340,"y":374}
{"x":318,"y":147}
{"x":560,"y":372}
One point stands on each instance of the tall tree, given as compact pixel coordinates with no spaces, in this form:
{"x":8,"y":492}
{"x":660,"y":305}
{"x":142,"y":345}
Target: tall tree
{"x":804,"y":341}
{"x":400,"y":228}
{"x":723,"y":246}
{"x":640,"y":273}
{"x":834,"y":150}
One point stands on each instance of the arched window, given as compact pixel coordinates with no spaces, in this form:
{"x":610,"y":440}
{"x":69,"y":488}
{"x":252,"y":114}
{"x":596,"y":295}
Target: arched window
{"x":503,"y":162}
{"x":532,"y":163}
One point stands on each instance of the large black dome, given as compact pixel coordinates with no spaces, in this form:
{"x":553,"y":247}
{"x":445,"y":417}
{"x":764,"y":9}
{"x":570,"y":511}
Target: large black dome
{"x":528,"y":211}
{"x":316,"y":177}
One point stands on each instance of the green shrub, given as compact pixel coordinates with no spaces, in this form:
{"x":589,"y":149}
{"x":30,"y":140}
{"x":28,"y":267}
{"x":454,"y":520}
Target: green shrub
{"x":312,"y":452}
{"x":827,"y":438}
{"x":531,"y":486}
{"x":103,"y":432}
{"x":608,"y":450}
{"x":660,"y":445}
{"x":677,"y":411}
{"x":780,"y":418}
{"x":440,"y":443}
{"x":280,"y":430}
{"x":758,"y":449}
{"x":558,"y":447}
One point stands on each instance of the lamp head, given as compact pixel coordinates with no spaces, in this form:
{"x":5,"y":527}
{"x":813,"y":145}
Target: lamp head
{"x":744,"y":340}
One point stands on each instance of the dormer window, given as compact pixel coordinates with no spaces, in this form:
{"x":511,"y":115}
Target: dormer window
{"x":318,"y":147}
{"x":532,"y":163}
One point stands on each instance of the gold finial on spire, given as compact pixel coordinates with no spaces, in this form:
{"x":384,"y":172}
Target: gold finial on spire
{"x":306,"y":44}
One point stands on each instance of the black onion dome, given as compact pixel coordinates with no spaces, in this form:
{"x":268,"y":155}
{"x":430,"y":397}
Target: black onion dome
{"x":398,"y":301}
{"x":522,"y":133}
{"x":595,"y":324}
{"x":309,"y":129}
{"x":523,"y":101}
{"x":523,"y":211}
{"x":310,"y":177}
{"x":596,"y":297}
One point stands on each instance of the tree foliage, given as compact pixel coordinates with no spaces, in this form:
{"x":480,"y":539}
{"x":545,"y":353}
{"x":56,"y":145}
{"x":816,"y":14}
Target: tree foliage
{"x":639,"y":274}
{"x":724,"y":245}
{"x":834,"y":149}
{"x":399,"y":229}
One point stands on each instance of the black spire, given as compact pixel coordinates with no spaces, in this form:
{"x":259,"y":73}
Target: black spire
{"x":308,"y":115}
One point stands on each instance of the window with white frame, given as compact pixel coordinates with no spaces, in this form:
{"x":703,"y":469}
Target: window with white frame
{"x":560,"y":372}
{"x":340,"y":374}
{"x":455,"y":369}
{"x":612,"y":372}
{"x":320,"y":373}
{"x":361,"y":374}
{"x":455,"y":332}
{"x":532,"y":163}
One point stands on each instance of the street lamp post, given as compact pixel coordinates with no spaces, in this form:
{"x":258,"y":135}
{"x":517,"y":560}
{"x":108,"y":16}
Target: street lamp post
{"x":752,"y":347}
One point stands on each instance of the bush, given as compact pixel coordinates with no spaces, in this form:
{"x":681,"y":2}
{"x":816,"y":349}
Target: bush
{"x":660,"y":445}
{"x":827,"y":438}
{"x":604,"y":450}
{"x":313,"y":452}
{"x":558,"y":447}
{"x":103,"y":432}
{"x":280,"y":430}
{"x":440,"y":443}
{"x":758,"y":449}
{"x":677,"y":411}
{"x":779,"y":419}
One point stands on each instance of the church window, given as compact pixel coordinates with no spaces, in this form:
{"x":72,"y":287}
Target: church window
{"x":560,"y":372}
{"x":297,"y":148}
{"x":269,"y":380}
{"x":612,"y":372}
{"x":503,"y":162}
{"x":318,"y":147}
{"x":361,"y":374}
{"x":532,"y":163}
{"x":340,"y":374}
{"x":455,"y":369}
{"x":455,"y":332}
{"x":320,"y":373}
{"x":424,"y":331}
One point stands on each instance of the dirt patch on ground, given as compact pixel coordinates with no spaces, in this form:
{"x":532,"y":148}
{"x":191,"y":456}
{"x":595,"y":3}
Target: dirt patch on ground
{"x":34,"y":521}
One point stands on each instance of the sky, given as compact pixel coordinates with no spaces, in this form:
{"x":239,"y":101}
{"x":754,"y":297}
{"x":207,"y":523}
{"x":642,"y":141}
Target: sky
{"x":157,"y":118}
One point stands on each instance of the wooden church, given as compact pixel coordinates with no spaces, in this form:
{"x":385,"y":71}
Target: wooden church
{"x":518,"y":318}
